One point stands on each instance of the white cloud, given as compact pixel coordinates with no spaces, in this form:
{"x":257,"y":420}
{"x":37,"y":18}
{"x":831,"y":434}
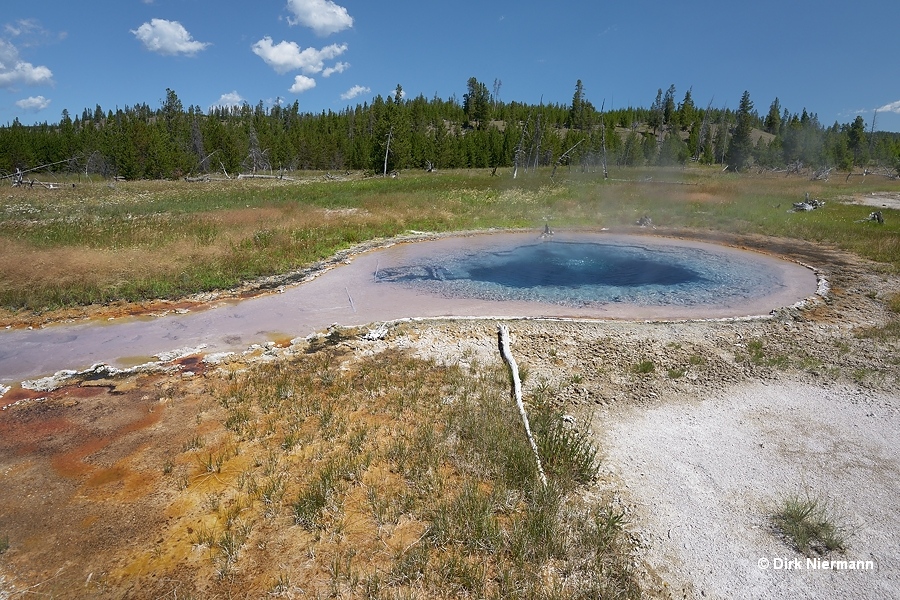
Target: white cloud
{"x":229,"y":99}
{"x":301,"y":84}
{"x":34,"y":103}
{"x":14,"y":70}
{"x":337,"y":68}
{"x":167,"y":38}
{"x":893,"y":107}
{"x":322,"y":16}
{"x":355,"y":91}
{"x":287,"y":56}
{"x":23,"y":27}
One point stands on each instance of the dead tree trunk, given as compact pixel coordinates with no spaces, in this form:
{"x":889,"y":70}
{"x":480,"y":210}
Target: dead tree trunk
{"x":563,"y":156}
{"x":387,"y":150}
{"x":518,"y":153}
{"x":603,"y":139}
{"x":704,"y":125}
{"x":537,"y":141}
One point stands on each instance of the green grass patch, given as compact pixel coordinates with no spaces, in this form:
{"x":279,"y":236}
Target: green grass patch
{"x":759,"y":355}
{"x":806,"y":522}
{"x":645,"y":367}
{"x":675,"y":373}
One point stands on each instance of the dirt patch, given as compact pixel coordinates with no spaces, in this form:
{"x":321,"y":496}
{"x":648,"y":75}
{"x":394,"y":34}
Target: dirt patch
{"x":877,"y":199}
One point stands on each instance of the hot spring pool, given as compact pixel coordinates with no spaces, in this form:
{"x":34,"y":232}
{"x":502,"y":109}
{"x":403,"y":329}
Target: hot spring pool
{"x":598,"y":276}
{"x":584,"y":271}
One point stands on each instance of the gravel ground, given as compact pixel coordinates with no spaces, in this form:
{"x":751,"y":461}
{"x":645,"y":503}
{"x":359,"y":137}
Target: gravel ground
{"x":706,"y":475}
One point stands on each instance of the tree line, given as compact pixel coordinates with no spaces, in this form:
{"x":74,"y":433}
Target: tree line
{"x":394,"y":133}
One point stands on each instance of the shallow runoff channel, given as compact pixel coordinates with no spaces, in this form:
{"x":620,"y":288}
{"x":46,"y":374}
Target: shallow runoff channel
{"x":502,"y":275}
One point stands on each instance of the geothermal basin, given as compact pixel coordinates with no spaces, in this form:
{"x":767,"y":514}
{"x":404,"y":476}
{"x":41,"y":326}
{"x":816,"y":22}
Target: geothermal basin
{"x":570,"y":275}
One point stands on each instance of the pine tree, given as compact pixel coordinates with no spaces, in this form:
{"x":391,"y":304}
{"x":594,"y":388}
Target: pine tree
{"x":477,"y":103}
{"x":687,"y":112}
{"x":740,"y":150}
{"x":856,"y":139}
{"x":773,"y":119}
{"x":655,"y":118}
{"x":668,"y":107}
{"x":580,"y":112}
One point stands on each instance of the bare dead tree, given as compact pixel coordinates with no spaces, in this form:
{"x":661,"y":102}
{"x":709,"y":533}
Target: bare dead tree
{"x":704,"y":125}
{"x":387,"y":149}
{"x":564,"y":156}
{"x":17,"y":177}
{"x":603,"y":139}
{"x":821,"y":174}
{"x":257,"y":159}
{"x":536,"y":145}
{"x":872,"y":133}
{"x":517,"y":156}
{"x":96,"y":163}
{"x":197,"y":146}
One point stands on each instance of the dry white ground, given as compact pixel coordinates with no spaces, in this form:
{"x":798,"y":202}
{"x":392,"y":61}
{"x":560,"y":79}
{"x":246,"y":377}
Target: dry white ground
{"x":877,"y":199}
{"x":706,"y":474}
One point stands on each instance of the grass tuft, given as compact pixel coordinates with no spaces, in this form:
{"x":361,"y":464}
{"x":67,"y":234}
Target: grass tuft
{"x":310,"y":504}
{"x":808,"y":525}
{"x":645,"y":367}
{"x":467,"y":520}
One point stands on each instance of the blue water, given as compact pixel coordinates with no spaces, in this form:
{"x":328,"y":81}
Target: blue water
{"x":578,"y":273}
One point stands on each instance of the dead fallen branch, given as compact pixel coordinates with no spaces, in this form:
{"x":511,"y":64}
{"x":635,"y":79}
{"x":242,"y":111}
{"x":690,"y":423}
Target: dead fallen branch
{"x":875,"y":217}
{"x":821,"y":174}
{"x":18,"y":176}
{"x":255,"y":176}
{"x":503,"y":342}
{"x":808,"y":204}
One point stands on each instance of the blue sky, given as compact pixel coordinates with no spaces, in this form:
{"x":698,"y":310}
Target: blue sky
{"x":835,"y":60}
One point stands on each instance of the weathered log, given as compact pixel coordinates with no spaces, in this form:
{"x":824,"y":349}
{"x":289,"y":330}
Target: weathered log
{"x":875,"y":217}
{"x":503,"y":343}
{"x":255,"y":176}
{"x":821,"y":174}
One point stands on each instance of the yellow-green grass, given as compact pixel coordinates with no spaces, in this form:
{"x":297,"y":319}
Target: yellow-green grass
{"x":384,"y":477}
